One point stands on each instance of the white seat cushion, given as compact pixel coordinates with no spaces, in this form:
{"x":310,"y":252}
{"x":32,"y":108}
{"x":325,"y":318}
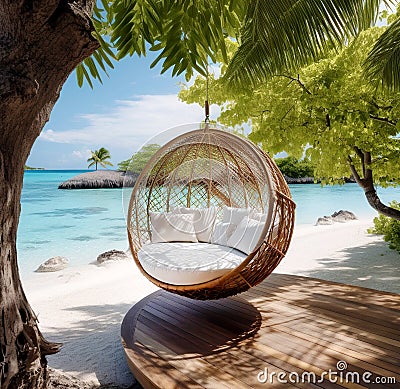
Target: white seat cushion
{"x":182,"y":263}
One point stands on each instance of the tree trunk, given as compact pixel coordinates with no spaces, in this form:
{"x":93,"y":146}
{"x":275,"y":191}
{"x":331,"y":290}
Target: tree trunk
{"x":367,"y":183}
{"x":41,"y":42}
{"x":375,"y":202}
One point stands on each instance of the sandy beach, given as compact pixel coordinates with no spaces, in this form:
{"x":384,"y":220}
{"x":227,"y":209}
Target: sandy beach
{"x":83,"y":307}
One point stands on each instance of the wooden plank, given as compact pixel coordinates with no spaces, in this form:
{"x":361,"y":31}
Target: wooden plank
{"x":327,"y":357}
{"x":340,"y":314}
{"x":154,"y":372}
{"x":200,"y":371}
{"x":391,"y":317}
{"x":305,"y":329}
{"x":347,"y":334}
{"x":385,"y":299}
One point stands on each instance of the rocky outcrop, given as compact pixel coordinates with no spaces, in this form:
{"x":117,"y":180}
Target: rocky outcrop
{"x":337,"y":217}
{"x":53,"y":264}
{"x":100,"y":179}
{"x":112,"y":255}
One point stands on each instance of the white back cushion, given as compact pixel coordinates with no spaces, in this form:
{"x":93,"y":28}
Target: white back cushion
{"x":170,"y":227}
{"x":235,"y":215}
{"x":246,"y":235}
{"x":222,"y":232}
{"x":261,"y":217}
{"x":204,"y":220}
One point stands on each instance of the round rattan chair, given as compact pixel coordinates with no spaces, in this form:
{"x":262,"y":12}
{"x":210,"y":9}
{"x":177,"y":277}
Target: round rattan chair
{"x":213,"y":167}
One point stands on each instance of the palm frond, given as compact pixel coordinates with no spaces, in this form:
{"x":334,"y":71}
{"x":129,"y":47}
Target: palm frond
{"x":102,"y":59}
{"x":281,"y":35}
{"x":383,"y":62}
{"x":185,"y":34}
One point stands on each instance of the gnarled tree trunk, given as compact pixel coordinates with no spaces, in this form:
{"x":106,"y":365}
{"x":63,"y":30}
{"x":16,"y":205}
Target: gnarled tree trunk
{"x":41,"y":42}
{"x":367,"y":183}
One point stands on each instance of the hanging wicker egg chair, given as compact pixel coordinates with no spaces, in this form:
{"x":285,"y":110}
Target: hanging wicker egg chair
{"x":210,"y":167}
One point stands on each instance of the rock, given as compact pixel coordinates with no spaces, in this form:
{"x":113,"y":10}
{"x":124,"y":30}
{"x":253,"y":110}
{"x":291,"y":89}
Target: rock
{"x":53,"y":264}
{"x":336,"y":217}
{"x":343,"y":216}
{"x":324,"y":221}
{"x":112,"y":255}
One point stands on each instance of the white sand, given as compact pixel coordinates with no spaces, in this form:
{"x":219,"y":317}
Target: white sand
{"x":83,"y":306}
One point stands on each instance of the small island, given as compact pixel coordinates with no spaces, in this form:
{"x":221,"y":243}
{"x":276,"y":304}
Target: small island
{"x":100,"y":179}
{"x":33,"y":168}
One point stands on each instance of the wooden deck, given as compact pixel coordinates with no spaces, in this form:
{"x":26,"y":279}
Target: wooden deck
{"x":287,"y":324}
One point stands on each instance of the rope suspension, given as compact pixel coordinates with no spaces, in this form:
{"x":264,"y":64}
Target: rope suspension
{"x":206,"y":104}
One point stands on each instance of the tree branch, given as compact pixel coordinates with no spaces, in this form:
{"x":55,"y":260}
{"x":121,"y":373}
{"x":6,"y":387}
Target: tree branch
{"x":367,"y":184}
{"x":360,"y":155}
{"x":354,"y":172}
{"x":296,"y":80}
{"x":384,"y":120}
{"x":376,"y":105}
{"x":328,"y":120}
{"x":367,"y":165}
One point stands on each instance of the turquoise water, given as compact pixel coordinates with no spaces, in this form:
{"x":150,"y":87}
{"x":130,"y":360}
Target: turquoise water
{"x":80,"y":224}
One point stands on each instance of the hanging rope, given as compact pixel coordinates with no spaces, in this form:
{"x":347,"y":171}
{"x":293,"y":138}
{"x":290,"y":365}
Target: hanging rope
{"x":206,"y":104}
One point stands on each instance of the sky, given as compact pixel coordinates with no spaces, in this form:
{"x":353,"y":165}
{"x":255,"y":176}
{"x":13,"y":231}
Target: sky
{"x":131,"y":106}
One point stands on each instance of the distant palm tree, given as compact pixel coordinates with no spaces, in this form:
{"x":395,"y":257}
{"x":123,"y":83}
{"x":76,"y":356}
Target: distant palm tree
{"x":100,"y":157}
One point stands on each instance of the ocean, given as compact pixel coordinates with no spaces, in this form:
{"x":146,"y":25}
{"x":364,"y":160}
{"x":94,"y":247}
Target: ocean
{"x":81,"y":224}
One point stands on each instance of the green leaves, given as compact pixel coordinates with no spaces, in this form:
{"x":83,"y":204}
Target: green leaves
{"x":389,"y":228}
{"x":295,"y":168}
{"x":103,"y":57}
{"x":186,"y":34}
{"x":383,"y":63}
{"x":139,"y":159}
{"x":283,"y":35}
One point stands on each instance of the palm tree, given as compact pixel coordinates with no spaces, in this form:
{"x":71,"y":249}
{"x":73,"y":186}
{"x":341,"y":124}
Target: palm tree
{"x":279,"y":36}
{"x":100,"y":157}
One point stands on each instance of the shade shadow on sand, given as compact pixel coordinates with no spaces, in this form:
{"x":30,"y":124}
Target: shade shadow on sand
{"x":373,"y":265}
{"x":93,"y":345}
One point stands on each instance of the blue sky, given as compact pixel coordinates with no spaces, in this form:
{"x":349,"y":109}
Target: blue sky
{"x":129,"y":108}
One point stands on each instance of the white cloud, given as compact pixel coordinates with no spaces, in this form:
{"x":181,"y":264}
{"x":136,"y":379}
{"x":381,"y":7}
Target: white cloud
{"x":130,"y":123}
{"x":81,"y":154}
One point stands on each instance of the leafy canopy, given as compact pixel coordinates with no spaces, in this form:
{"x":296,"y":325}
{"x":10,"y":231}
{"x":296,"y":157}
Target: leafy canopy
{"x":327,"y":110}
{"x":281,"y":36}
{"x":274,"y":35}
{"x":186,"y":34}
{"x":139,"y":159}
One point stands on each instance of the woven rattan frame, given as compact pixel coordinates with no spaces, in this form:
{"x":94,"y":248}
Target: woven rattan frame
{"x":212,"y":167}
